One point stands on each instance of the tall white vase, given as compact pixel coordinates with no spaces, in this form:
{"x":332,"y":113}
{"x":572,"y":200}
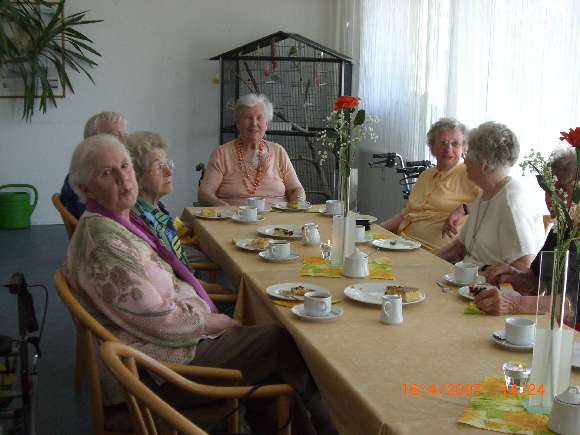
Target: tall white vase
{"x":343,"y":243}
{"x":554,"y":342}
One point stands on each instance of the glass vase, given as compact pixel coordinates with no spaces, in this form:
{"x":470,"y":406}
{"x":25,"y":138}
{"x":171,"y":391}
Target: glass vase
{"x":343,"y":243}
{"x":555,"y":322}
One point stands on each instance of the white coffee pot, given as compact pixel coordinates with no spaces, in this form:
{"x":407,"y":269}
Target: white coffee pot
{"x":565,"y":415}
{"x":356,"y":265}
{"x":310,"y":235}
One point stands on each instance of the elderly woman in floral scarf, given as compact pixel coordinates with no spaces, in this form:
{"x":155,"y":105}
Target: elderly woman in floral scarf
{"x":144,"y":295}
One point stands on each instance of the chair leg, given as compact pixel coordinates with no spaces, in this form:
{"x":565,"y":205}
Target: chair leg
{"x":80,"y":363}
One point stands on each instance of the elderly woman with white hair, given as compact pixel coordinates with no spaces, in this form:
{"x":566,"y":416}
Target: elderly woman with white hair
{"x":438,"y":191}
{"x":502,"y":227}
{"x":249,"y":165}
{"x":148,"y":299}
{"x":154,"y":173}
{"x":102,"y":123}
{"x":525,"y":280}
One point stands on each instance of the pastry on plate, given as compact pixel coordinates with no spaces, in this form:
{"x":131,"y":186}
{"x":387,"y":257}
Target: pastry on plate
{"x":408,"y":294}
{"x":282,"y":232}
{"x":210,"y":213}
{"x":259,"y":243}
{"x":299,"y":290}
{"x":474,"y":290}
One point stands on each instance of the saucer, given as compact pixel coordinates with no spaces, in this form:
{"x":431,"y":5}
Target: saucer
{"x":267,"y":208}
{"x":266,"y":256}
{"x":368,"y":238}
{"x":335,"y":313}
{"x":499,"y":338}
{"x":236,"y":218}
{"x":450,"y":278}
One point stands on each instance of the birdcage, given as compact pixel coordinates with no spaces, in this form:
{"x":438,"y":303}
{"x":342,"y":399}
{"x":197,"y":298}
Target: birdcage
{"x":302,"y":80}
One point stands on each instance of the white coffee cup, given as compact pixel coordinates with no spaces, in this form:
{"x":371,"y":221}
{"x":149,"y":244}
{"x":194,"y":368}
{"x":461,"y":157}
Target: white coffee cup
{"x":465,"y":273}
{"x":520,"y":331}
{"x":392,"y":310}
{"x":359,"y":233}
{"x":248,"y":213}
{"x":258,"y":202}
{"x":279,"y":249}
{"x":317,"y":304}
{"x":333,"y":207}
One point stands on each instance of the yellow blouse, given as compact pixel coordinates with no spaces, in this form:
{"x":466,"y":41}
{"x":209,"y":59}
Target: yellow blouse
{"x":435,"y":195}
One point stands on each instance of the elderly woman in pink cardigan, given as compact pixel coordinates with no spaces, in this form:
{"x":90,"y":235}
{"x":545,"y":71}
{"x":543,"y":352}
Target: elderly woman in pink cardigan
{"x":143,"y":293}
{"x":250,"y":166}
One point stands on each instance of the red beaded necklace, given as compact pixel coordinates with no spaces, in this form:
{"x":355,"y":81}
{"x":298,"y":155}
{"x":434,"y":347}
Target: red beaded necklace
{"x":251,"y":185}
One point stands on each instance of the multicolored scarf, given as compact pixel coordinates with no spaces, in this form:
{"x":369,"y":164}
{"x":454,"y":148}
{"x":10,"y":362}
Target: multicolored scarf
{"x":160,"y":224}
{"x":140,"y":229}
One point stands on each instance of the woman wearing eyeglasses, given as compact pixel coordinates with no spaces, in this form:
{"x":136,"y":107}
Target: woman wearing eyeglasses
{"x":430,"y":214}
{"x":154,"y":175}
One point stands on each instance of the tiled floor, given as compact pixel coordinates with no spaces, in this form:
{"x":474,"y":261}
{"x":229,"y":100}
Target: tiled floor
{"x":38,"y":252}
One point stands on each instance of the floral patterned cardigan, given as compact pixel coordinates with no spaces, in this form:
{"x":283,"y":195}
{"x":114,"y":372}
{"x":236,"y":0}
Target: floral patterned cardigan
{"x":131,"y":291}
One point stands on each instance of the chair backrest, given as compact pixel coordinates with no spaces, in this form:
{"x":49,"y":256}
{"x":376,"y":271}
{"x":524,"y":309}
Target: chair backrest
{"x":70,"y":222}
{"x":90,"y":332}
{"x":122,"y":361}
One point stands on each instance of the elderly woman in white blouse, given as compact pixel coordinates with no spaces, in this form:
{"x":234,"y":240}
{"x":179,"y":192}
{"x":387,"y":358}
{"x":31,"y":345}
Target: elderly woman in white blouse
{"x":502,"y":227}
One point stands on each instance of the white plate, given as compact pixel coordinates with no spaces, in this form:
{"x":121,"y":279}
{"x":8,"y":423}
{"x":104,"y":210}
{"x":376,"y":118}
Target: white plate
{"x":450,"y":278}
{"x":236,"y":218}
{"x":282,"y":291}
{"x":268,"y":230}
{"x":267,"y":208}
{"x":370,"y":218}
{"x":223,"y":214}
{"x":499,"y":338}
{"x":576,"y":356}
{"x":368,"y":238}
{"x":464,"y":291}
{"x":372,"y":293}
{"x":284,"y":206}
{"x":397,"y":244}
{"x":246,"y":245}
{"x":335,"y":313}
{"x":266,"y":256}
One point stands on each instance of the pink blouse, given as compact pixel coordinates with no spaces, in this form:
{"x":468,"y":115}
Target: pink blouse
{"x":224,"y":176}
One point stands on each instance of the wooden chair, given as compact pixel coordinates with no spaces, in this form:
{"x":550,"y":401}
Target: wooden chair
{"x":124,"y":361}
{"x":90,"y":332}
{"x":70,"y":222}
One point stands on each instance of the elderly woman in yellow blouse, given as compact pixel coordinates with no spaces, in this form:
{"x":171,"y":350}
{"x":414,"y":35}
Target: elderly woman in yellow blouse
{"x":250,"y":166}
{"x":438,"y":191}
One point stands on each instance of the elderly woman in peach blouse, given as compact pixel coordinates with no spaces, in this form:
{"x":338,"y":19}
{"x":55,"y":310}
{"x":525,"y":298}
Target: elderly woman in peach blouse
{"x":249,"y":165}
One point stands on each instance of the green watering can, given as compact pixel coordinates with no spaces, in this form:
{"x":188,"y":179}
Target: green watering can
{"x":15,"y":207}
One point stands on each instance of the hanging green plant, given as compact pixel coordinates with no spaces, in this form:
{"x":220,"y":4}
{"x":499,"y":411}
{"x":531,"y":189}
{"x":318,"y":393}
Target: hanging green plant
{"x":37,"y":43}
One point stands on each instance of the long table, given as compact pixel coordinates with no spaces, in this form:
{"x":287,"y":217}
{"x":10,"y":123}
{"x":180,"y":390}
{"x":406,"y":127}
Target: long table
{"x":361,"y":365}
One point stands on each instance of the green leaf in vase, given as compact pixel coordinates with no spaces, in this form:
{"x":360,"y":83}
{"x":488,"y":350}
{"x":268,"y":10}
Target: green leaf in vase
{"x":359,"y":119}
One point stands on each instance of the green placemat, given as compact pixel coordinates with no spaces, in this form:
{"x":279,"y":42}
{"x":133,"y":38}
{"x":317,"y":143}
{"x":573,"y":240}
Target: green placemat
{"x":494,"y":409}
{"x":316,"y":266}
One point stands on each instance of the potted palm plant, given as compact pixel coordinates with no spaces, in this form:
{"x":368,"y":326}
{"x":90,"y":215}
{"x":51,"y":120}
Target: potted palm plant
{"x":36,"y":46}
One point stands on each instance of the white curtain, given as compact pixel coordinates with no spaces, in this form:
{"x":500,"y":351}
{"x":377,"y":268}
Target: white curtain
{"x":512,"y":61}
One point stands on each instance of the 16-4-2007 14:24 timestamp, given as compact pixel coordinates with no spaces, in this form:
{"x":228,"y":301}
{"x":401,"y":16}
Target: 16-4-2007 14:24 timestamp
{"x":442,"y":390}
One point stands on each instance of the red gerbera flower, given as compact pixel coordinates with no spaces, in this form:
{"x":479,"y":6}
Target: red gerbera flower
{"x":346,"y":102}
{"x":572,"y":137}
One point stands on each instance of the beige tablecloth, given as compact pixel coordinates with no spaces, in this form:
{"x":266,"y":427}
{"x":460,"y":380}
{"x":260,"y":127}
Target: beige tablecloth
{"x":359,"y":363}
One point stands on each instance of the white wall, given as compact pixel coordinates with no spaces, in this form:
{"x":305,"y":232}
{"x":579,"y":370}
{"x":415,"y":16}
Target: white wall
{"x":155,"y":70}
